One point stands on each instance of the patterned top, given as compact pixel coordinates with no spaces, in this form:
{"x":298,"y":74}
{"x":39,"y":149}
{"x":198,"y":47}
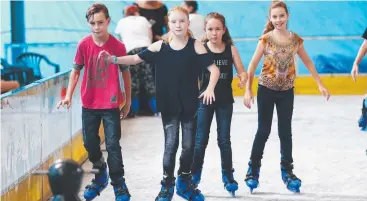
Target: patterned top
{"x":279,"y":70}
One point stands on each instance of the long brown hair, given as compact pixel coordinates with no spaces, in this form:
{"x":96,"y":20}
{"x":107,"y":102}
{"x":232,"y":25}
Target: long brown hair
{"x":226,"y":38}
{"x":168,"y":36}
{"x":275,"y":4}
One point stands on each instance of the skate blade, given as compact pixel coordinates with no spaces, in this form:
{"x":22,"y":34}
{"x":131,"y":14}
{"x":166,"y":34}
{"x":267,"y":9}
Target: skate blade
{"x":232,"y":192}
{"x":184,"y":197}
{"x":294,"y":190}
{"x":253,"y":187}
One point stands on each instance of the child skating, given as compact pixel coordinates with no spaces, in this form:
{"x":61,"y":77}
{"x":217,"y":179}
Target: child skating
{"x":218,"y":42}
{"x":362,"y":122}
{"x":101,"y":97}
{"x":178,"y":59}
{"x":276,"y":87}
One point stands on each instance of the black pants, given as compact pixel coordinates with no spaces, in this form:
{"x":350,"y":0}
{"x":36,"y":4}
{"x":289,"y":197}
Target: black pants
{"x":91,"y":119}
{"x":205,"y":115}
{"x":284,"y":101}
{"x":171,"y":126}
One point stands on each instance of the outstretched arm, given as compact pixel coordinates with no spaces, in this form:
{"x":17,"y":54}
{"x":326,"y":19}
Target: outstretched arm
{"x":129,"y":59}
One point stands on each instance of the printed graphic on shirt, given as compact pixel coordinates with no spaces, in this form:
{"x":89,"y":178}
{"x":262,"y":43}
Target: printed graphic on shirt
{"x":98,"y":73}
{"x":220,"y":64}
{"x":279,"y":71}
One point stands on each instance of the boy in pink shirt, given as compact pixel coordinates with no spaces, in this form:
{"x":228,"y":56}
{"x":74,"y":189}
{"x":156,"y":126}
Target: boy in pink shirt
{"x":101,"y":97}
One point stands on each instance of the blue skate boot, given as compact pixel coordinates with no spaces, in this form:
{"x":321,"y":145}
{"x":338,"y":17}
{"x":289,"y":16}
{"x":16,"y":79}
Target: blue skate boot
{"x":167,"y":189}
{"x":292,"y":182}
{"x":362,"y":122}
{"x":121,"y":191}
{"x":252,"y":175}
{"x":98,"y":184}
{"x":230,"y":184}
{"x":186,"y":189}
{"x":196,"y":177}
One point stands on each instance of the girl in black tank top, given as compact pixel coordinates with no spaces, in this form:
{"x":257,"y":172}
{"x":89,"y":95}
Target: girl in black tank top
{"x":178,"y":59}
{"x":219,"y":44}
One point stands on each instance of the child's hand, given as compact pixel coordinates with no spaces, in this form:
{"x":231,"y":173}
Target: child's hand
{"x":65,"y":102}
{"x":324,"y":92}
{"x":208,"y":96}
{"x":104,"y":55}
{"x":248,"y":99}
{"x":355,"y":71}
{"x":243,"y":80}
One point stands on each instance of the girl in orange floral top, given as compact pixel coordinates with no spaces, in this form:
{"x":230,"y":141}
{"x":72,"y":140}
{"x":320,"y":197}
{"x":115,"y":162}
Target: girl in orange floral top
{"x":276,"y":82}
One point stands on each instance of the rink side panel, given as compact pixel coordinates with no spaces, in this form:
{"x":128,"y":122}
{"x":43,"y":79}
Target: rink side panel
{"x":35,"y":134}
{"x":306,"y":85}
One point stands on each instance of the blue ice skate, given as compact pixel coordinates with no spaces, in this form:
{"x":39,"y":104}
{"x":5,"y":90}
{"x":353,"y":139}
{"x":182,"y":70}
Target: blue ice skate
{"x":290,"y":180}
{"x":252,"y":176}
{"x":196,"y":177}
{"x":230,"y":184}
{"x":167,"y":189}
{"x":186,"y":189}
{"x":121,"y":191}
{"x":97,"y":185}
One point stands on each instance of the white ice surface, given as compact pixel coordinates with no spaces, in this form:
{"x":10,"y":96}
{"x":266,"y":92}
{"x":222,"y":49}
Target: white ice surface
{"x":329,"y":154}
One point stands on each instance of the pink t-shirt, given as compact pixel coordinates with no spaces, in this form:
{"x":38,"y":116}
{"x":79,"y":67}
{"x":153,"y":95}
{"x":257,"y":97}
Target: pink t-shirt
{"x":100,"y":87}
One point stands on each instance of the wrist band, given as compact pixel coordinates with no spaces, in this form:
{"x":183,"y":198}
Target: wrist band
{"x":114,"y":59}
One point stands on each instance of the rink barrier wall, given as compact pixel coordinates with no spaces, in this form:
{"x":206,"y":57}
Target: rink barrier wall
{"x":305,"y":85}
{"x":34,"y":134}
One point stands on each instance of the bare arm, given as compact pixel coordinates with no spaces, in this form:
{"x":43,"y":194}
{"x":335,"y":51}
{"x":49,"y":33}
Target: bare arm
{"x":73,"y":80}
{"x":253,"y":64}
{"x":361,"y":53}
{"x":309,"y":64}
{"x":127,"y":84}
{"x":241,"y":72}
{"x":213,"y":69}
{"x":237,"y":61}
{"x":134,"y":59}
{"x":9,"y":85}
{"x":214,"y":76}
{"x":311,"y":67}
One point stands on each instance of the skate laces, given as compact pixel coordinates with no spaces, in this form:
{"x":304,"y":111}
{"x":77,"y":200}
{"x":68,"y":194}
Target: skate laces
{"x":121,"y":190}
{"x":253,"y":173}
{"x":230,"y":178}
{"x":94,"y":186}
{"x":192,"y":186}
{"x":165,"y":192}
{"x":291,"y":175}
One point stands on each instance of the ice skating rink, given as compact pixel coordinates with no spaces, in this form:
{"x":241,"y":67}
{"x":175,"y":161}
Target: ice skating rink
{"x":329,"y":154}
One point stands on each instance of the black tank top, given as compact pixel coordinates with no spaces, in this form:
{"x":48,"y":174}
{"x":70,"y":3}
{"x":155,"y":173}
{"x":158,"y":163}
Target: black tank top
{"x":177,"y":78}
{"x":223,"y":89}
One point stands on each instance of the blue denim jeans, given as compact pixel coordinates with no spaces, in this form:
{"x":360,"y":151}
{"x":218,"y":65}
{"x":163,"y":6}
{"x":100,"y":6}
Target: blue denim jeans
{"x":171,"y":126}
{"x":91,"y":121}
{"x":223,"y":115}
{"x":266,"y":100}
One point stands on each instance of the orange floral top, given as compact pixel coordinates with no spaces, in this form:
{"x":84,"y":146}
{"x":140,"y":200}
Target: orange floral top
{"x":279,"y":69}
